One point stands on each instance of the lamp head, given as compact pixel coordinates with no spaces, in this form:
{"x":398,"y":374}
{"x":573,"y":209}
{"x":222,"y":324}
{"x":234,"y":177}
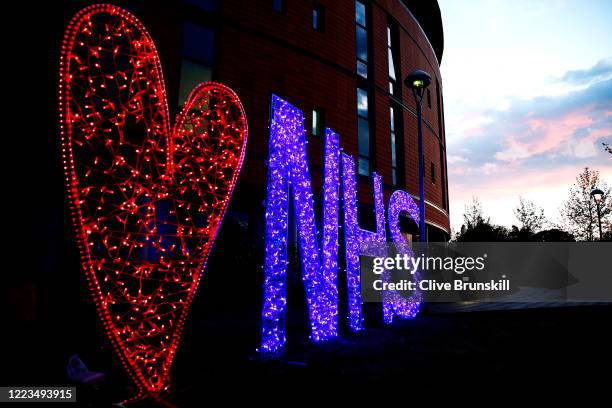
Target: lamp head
{"x":418,"y":79}
{"x":597,"y":194}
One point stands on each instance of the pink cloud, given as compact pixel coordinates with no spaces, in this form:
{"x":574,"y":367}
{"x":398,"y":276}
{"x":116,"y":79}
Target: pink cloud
{"x":599,"y":133}
{"x":457,"y":170}
{"x":544,"y":135}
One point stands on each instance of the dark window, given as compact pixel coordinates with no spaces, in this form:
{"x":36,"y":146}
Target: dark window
{"x":318,"y":122}
{"x":433,"y":173}
{"x":206,"y":5}
{"x":318,"y":18}
{"x":199,"y":43}
{"x":364,"y":138}
{"x":280,"y":6}
{"x":393,"y":59}
{"x":198,"y":51}
{"x":362,"y":52}
{"x":440,"y":109}
{"x":192,"y":74}
{"x":428,"y":98}
{"x":442,"y":178}
{"x":393,"y":147}
{"x":362,"y":44}
{"x":363,"y":131}
{"x":397,"y":144}
{"x":443,"y":184}
{"x":362,"y":39}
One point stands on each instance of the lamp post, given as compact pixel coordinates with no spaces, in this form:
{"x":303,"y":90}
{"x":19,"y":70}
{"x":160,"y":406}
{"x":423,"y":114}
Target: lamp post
{"x":597,"y":195}
{"x":418,"y":80}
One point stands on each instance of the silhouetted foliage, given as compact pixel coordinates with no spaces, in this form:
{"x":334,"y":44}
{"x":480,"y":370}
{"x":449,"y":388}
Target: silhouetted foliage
{"x":477,"y":228}
{"x":580,"y":210}
{"x":607,"y":236}
{"x":529,"y":215}
{"x":553,"y":235}
{"x":483,"y":232}
{"x":521,"y":234}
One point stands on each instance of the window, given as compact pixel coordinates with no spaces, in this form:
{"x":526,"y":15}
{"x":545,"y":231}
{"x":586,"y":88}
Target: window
{"x":364,"y":143}
{"x":318,"y":18}
{"x":393,"y":59}
{"x":439,"y":109}
{"x":280,"y":6}
{"x":318,"y":122}
{"x":439,"y":104}
{"x":198,"y":51}
{"x":442,"y":178}
{"x":360,"y":14}
{"x":428,"y":98}
{"x":362,"y":103}
{"x":362,"y":39}
{"x":198,"y":43}
{"x":191,"y":75}
{"x":433,"y":173}
{"x":363,"y":131}
{"x":393,"y":147}
{"x":397,"y":144}
{"x":443,"y":185}
{"x":206,"y":5}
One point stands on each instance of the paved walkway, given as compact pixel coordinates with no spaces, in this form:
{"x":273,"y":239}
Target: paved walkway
{"x":525,"y":298}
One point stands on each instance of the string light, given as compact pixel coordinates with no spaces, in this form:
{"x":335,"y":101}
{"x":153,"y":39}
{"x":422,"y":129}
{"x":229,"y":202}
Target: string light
{"x":146,"y":200}
{"x":331,"y":178}
{"x":354,"y":236}
{"x":393,"y":303}
{"x":288,"y":171}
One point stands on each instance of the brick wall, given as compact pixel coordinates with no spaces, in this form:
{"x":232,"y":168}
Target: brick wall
{"x":261,"y":51}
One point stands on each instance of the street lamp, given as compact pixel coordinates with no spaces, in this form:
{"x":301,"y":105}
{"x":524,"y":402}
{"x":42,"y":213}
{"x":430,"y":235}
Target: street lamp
{"x":597,"y":195}
{"x":418,"y":80}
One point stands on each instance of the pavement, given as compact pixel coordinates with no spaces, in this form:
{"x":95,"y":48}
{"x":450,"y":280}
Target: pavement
{"x":462,"y":352}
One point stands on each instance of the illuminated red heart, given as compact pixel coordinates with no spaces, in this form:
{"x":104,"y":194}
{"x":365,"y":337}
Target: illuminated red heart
{"x":147,"y":201}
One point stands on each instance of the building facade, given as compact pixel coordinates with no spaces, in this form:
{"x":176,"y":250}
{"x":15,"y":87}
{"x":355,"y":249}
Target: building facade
{"x":330,"y":58}
{"x":341,"y":62}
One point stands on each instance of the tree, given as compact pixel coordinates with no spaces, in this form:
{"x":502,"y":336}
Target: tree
{"x":477,"y":228}
{"x":529,"y":215}
{"x":579,"y":212}
{"x":473,"y":214}
{"x":553,"y":235}
{"x":520,"y":234}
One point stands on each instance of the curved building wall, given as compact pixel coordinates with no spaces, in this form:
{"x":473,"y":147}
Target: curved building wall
{"x":261,"y":51}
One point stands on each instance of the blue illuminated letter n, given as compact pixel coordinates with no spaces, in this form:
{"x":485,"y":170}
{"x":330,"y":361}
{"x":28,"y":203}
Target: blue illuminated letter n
{"x":288,"y":177}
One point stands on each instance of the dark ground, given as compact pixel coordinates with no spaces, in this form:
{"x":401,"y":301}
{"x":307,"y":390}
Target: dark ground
{"x":551,"y":352}
{"x":546,"y":350}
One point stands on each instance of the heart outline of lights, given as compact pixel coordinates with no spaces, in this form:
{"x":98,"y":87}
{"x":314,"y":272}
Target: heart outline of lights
{"x":146,"y":199}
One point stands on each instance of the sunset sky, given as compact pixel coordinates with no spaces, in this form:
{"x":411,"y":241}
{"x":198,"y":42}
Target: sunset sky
{"x":528,"y":100}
